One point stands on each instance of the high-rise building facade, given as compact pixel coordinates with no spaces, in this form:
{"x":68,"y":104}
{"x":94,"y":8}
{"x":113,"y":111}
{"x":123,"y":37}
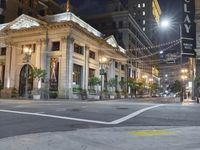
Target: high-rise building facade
{"x":116,"y":19}
{"x":147,"y":14}
{"x":11,"y":9}
{"x":2,"y":10}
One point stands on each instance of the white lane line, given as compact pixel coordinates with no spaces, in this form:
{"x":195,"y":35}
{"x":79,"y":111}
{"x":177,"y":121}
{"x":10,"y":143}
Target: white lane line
{"x":134,"y":114}
{"x":40,"y":112}
{"x":118,"y":121}
{"x":54,"y":116}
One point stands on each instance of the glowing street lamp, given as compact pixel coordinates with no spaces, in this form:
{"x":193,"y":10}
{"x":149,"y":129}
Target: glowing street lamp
{"x":165,"y":24}
{"x":144,"y":76}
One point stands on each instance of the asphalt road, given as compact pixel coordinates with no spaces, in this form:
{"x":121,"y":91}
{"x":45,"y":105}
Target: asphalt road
{"x":20,"y":117}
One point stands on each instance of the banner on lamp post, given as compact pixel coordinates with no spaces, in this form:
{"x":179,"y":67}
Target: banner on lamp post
{"x":188,"y":32}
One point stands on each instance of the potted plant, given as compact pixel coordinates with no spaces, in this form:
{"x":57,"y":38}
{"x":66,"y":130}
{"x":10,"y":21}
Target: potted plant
{"x":133,"y":87}
{"x":140,"y":87}
{"x":153,"y":87}
{"x":37,"y":74}
{"x":93,"y":81}
{"x":123,"y":84}
{"x":112,"y":83}
{"x":14,"y":93}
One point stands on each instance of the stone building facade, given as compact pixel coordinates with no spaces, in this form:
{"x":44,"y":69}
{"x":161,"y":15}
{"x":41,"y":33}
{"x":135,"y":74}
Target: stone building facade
{"x":65,"y":46}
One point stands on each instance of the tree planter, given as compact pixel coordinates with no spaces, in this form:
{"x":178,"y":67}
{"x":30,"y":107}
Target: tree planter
{"x":112,"y":97}
{"x":122,"y":96}
{"x":129,"y":96}
{"x":36,"y":97}
{"x":95,"y":97}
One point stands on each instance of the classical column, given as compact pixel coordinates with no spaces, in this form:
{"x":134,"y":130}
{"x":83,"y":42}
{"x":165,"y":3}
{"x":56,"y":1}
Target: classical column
{"x":63,"y":69}
{"x":86,"y":68}
{"x":13,"y":67}
{"x":7,"y":67}
{"x":112,"y":70}
{"x":69,"y":70}
{"x":38,"y":53}
{"x":43,"y":55}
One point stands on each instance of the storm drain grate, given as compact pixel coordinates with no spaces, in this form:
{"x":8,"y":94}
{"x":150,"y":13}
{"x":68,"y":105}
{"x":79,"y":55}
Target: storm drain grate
{"x":76,"y":109}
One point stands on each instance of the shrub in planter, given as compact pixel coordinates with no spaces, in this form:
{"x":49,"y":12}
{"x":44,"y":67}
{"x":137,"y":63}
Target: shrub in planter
{"x":112,"y":83}
{"x":37,"y":74}
{"x":53,"y":94}
{"x":92,"y":91}
{"x":14,"y":93}
{"x":93,"y":81}
{"x":77,"y":89}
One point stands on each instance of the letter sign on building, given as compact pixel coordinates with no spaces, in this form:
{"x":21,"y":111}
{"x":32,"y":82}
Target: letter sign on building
{"x":188,"y":28}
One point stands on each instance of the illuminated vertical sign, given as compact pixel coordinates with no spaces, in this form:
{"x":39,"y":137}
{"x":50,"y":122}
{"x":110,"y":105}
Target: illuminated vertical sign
{"x":188,"y":28}
{"x":156,"y":10}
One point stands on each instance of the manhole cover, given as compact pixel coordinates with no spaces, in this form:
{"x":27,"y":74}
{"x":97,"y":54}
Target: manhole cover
{"x":75,"y":109}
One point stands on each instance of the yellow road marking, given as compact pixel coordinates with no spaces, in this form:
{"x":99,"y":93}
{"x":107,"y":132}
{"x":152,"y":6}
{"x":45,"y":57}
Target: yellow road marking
{"x":152,"y":133}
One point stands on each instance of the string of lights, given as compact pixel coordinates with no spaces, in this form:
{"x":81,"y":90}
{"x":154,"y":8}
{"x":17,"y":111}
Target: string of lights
{"x":156,"y":46}
{"x":132,"y":57}
{"x":155,"y":53}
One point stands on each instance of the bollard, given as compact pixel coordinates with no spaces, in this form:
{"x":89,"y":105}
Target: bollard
{"x":197,"y":99}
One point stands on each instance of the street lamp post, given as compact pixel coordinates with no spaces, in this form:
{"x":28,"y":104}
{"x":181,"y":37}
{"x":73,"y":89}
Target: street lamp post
{"x":27,"y":52}
{"x":184,"y":78}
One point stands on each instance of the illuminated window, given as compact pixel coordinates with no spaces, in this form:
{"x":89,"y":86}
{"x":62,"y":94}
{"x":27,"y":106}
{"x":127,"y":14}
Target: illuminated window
{"x":139,"y":5}
{"x":143,"y":13}
{"x":144,"y":29}
{"x":143,"y":5}
{"x":77,"y":73}
{"x":144,"y":21}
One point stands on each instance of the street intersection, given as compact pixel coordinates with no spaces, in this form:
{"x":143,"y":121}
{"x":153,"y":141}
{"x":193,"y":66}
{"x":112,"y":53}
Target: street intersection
{"x":26,"y":118}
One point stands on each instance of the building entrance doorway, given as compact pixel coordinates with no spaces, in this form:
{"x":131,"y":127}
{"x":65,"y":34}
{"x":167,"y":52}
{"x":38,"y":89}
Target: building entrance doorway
{"x":22,"y":80}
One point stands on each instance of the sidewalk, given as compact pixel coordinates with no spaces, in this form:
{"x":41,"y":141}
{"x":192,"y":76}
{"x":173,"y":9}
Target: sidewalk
{"x":137,"y":100}
{"x":119,"y":138}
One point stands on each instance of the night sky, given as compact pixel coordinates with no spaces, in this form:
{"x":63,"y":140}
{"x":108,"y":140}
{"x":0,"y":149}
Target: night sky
{"x":170,"y":9}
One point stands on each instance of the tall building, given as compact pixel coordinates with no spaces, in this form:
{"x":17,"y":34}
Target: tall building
{"x":197,"y":20}
{"x":116,"y":19}
{"x":2,"y":10}
{"x":11,"y":9}
{"x":147,"y":14}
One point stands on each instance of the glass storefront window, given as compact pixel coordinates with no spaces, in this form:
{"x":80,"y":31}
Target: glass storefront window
{"x":77,"y":75}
